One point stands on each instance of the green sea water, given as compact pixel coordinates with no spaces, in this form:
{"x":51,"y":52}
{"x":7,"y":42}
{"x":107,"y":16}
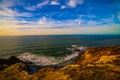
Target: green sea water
{"x":52,"y":45}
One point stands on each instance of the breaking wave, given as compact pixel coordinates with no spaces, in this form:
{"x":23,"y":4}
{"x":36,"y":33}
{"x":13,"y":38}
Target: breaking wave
{"x":46,"y":60}
{"x":39,"y":61}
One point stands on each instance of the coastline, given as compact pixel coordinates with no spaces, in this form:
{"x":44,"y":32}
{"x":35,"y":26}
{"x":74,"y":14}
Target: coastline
{"x":93,"y":61}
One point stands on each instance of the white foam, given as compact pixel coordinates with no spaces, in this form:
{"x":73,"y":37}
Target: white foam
{"x":71,"y":56}
{"x":45,"y":60}
{"x":38,"y":59}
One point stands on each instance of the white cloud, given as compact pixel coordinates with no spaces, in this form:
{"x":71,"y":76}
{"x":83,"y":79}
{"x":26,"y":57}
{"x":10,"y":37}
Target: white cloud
{"x":43,"y":3}
{"x":74,"y":3}
{"x":31,"y":8}
{"x":78,"y":21}
{"x":49,"y":26}
{"x":4,"y":11}
{"x":43,"y":20}
{"x":39,"y":5}
{"x":54,"y":3}
{"x":8,"y":12}
{"x":11,"y":13}
{"x":7,"y":3}
{"x":53,"y":24}
{"x":68,"y":26}
{"x":63,"y":7}
{"x":8,"y":24}
{"x":25,"y":14}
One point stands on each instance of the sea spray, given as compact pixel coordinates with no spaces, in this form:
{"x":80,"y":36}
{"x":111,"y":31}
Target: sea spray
{"x":42,"y":60}
{"x":39,"y":59}
{"x":45,"y":60}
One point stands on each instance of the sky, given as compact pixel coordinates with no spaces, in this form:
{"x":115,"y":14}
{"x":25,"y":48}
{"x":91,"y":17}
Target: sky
{"x":52,"y":17}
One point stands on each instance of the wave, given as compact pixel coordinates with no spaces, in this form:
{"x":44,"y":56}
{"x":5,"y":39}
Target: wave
{"x":42,"y":60}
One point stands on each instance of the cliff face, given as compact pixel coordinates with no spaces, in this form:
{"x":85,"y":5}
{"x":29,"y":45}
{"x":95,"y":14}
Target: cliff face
{"x":94,"y":64}
{"x":99,"y":55}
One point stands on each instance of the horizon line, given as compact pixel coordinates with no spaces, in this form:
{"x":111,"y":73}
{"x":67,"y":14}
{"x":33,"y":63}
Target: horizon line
{"x":54,"y":35}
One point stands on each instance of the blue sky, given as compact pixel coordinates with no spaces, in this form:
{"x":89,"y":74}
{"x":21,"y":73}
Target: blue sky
{"x":39,"y":17}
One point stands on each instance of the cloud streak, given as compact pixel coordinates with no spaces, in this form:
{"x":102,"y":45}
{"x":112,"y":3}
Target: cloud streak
{"x":8,"y":12}
{"x":39,"y":5}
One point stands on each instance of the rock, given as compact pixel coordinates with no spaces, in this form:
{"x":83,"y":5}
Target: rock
{"x":94,"y":64}
{"x":17,"y":71}
{"x":10,"y":61}
{"x":4,"y":63}
{"x":95,"y":54}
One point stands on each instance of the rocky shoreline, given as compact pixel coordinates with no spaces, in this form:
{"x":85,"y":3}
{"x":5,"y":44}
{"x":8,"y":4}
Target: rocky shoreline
{"x":101,"y":63}
{"x":35,"y":62}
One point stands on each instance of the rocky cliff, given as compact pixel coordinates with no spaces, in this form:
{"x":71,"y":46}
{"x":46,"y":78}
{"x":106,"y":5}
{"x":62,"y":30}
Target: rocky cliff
{"x":94,"y":64}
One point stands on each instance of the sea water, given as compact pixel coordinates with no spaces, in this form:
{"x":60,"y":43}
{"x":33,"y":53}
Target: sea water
{"x":52,"y":45}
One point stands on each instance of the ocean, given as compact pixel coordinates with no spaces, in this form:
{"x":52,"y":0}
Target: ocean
{"x":52,"y":45}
